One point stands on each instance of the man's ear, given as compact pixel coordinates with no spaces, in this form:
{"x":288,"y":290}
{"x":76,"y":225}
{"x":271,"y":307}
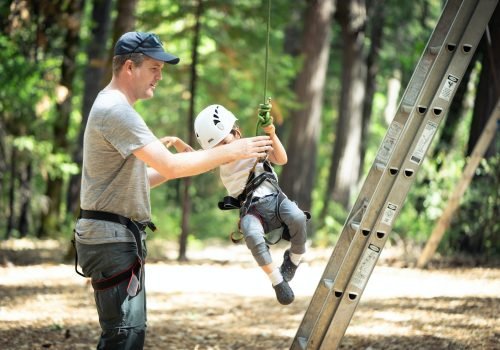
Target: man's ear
{"x":128,"y":65}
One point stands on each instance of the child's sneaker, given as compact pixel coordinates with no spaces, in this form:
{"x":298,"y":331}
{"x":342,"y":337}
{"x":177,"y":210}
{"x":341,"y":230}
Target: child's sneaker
{"x":288,"y":268}
{"x":284,"y":293}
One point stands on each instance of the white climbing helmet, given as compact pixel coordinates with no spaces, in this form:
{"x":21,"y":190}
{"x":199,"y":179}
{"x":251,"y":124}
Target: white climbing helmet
{"x":212,"y":125}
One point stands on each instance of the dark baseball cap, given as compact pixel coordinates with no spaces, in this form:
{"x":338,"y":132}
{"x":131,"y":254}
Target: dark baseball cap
{"x":146,"y":43}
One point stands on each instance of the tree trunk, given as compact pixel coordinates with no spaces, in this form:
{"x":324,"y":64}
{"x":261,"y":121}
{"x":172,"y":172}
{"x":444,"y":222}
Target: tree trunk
{"x":25,"y":199}
{"x":124,"y":22}
{"x":186,"y":200}
{"x":298,"y":176}
{"x":3,"y":165}
{"x":54,"y":189}
{"x":344,"y":168}
{"x":12,"y":194}
{"x":97,"y":61}
{"x":393,"y":89}
{"x":454,"y":201}
{"x":488,"y":89}
{"x":377,"y":21}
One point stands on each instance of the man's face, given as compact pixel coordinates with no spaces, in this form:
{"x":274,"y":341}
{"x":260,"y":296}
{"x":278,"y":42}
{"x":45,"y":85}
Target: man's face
{"x":146,"y":77}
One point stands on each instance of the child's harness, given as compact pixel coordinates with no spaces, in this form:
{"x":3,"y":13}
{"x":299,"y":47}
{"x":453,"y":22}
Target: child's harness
{"x":245,"y":200}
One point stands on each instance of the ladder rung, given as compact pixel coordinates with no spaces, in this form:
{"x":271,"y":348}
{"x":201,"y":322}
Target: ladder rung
{"x":302,"y":342}
{"x":355,"y":225}
{"x":406,"y":108}
{"x":328,"y":283}
{"x":434,"y":50}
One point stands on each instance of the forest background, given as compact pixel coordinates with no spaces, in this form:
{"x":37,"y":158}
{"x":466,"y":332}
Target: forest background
{"x":336,"y":72}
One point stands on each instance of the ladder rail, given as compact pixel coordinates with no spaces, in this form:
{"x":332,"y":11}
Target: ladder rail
{"x":317,"y":318}
{"x":406,"y":175}
{"x":416,"y":83}
{"x":388,"y":177}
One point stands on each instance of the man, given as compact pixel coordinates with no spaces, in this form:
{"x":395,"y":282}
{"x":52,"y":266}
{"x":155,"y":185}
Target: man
{"x":122,"y":160}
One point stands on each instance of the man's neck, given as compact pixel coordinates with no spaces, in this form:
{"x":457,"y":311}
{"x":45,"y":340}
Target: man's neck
{"x":116,"y":85}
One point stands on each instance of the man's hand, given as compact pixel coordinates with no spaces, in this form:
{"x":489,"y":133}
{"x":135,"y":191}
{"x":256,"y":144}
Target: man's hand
{"x":252,"y":147}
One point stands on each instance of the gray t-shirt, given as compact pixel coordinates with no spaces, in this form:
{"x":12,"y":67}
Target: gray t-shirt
{"x":113,"y":179}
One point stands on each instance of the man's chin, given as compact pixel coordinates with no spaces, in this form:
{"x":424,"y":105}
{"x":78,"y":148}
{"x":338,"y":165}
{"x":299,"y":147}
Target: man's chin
{"x":149,"y":94}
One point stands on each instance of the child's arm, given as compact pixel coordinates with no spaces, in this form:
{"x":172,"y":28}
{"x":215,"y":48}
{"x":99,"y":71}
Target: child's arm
{"x":278,"y":153}
{"x":177,"y":143}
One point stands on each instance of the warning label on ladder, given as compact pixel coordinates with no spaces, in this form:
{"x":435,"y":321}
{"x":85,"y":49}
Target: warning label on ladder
{"x":365,"y":267}
{"x":448,"y":87}
{"x":389,"y":214}
{"x":423,"y":142}
{"x":389,"y":142}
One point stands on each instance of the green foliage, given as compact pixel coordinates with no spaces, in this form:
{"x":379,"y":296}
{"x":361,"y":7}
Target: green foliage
{"x":476,"y":228}
{"x":230,"y":71}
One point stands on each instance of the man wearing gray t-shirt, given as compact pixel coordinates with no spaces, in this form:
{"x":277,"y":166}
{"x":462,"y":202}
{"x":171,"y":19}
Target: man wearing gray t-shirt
{"x":122,"y":160}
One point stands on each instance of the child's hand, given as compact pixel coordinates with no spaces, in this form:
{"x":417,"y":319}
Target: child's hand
{"x":265,"y":114}
{"x":177,"y":143}
{"x":270,"y":129}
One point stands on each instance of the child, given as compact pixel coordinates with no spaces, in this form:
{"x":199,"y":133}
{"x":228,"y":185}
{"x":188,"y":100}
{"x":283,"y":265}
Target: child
{"x":253,"y":187}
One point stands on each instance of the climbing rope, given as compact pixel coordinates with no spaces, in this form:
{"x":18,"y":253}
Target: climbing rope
{"x":264,"y":116}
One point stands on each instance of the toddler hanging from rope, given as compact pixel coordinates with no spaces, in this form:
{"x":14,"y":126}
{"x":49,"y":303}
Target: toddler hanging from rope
{"x":253,"y":188}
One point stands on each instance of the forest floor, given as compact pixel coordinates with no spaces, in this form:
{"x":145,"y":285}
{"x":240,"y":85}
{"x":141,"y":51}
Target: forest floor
{"x":221,"y":300}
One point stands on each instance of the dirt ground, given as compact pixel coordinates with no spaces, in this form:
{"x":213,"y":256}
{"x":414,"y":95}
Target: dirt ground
{"x":220,"y":300}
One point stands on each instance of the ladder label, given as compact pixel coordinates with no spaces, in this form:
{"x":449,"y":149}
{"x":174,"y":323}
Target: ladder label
{"x":449,"y":87}
{"x":389,"y":142}
{"x":423,"y":143}
{"x":389,"y":214}
{"x":365,"y":266}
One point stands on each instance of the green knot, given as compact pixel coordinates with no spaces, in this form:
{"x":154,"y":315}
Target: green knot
{"x":265,"y":114}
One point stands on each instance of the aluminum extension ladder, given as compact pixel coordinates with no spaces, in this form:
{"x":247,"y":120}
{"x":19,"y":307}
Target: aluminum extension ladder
{"x":425,"y":102}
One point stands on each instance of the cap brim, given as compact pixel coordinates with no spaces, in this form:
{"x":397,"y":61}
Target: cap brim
{"x":162,"y":56}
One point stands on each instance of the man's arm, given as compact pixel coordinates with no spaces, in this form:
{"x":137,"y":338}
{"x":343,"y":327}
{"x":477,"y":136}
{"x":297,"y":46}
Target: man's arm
{"x":166,"y":165}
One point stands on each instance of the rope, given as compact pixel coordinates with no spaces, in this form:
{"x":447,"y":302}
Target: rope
{"x":265,"y":108}
{"x":267,"y":48}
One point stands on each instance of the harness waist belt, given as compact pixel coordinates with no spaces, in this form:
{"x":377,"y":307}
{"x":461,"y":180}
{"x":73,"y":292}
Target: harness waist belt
{"x":119,"y":219}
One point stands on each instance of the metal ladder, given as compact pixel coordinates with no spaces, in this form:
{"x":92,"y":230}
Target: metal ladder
{"x":425,"y":102}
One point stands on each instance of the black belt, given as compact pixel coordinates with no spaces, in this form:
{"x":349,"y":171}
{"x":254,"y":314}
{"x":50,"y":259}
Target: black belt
{"x":136,"y":228}
{"x":119,"y":219}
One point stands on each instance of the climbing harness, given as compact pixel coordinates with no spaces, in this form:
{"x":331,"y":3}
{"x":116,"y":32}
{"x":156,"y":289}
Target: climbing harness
{"x":134,"y":272}
{"x":246,"y":200}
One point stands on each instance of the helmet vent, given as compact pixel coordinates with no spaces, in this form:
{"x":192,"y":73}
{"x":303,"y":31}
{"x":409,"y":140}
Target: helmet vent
{"x":217,"y":119}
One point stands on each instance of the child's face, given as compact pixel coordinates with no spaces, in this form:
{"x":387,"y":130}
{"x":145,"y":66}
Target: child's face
{"x":233,"y":135}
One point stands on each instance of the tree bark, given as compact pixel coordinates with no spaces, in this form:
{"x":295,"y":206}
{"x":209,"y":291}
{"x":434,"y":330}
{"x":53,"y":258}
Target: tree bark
{"x":186,"y":199}
{"x":94,"y":72}
{"x":377,"y":21}
{"x":488,"y":89}
{"x":298,"y":176}
{"x":344,"y":168}
{"x":50,"y":219}
{"x":445,"y":219}
{"x":12,"y":193}
{"x":124,"y":22}
{"x":25,"y":198}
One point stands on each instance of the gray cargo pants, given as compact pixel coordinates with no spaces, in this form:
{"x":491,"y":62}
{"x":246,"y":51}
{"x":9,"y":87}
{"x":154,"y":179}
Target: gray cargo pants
{"x":263,"y":218}
{"x":122,"y":318}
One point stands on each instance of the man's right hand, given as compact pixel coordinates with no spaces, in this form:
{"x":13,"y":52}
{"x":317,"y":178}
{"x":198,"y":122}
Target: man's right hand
{"x":251,"y":147}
